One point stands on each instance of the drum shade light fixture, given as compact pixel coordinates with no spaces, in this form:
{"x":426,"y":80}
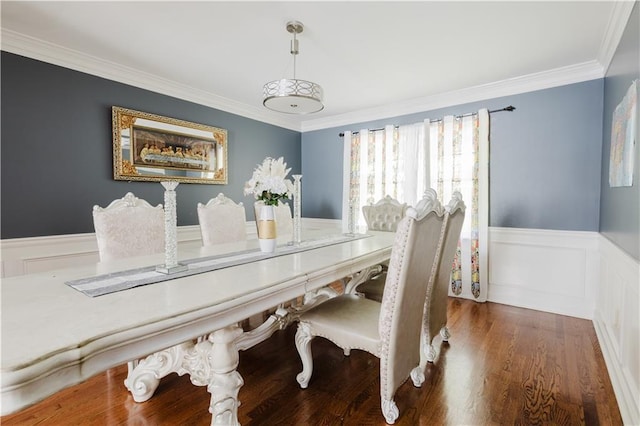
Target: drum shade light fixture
{"x":293,"y":96}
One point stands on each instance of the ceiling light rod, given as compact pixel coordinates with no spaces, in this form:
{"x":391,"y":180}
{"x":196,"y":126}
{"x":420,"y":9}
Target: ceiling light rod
{"x":294,"y":27}
{"x":293,"y":96}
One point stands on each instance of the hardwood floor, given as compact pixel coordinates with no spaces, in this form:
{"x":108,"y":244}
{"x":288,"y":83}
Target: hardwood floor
{"x":503,"y":365}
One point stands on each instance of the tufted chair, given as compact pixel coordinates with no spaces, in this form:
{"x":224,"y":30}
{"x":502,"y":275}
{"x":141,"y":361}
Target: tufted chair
{"x":381,"y":216}
{"x":435,"y":315}
{"x":284,"y":219}
{"x":384,"y":215}
{"x":128,"y":227}
{"x":390,"y":330}
{"x":222,"y":221}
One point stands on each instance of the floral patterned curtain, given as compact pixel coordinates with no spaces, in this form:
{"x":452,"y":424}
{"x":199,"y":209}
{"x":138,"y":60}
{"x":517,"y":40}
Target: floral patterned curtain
{"x":460,"y":161}
{"x":373,"y":161}
{"x":449,"y":155}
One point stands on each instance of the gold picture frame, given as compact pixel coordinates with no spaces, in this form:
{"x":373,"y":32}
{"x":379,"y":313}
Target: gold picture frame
{"x":150,"y":147}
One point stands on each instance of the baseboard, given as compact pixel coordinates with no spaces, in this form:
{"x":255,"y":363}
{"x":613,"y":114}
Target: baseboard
{"x":617,"y":325}
{"x":545,"y":270}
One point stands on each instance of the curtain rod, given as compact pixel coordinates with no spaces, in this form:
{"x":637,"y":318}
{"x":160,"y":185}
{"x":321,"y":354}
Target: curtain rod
{"x":508,"y":108}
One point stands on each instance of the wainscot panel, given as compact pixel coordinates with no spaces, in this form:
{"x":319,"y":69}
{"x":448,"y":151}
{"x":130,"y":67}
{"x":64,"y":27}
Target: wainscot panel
{"x":20,"y":256}
{"x":617,"y":324}
{"x":545,"y":270}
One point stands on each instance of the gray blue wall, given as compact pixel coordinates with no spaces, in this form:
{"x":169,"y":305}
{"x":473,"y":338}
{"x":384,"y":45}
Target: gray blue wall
{"x":544,"y":162}
{"x":56,"y":152}
{"x":620,"y":206}
{"x":549,"y":159}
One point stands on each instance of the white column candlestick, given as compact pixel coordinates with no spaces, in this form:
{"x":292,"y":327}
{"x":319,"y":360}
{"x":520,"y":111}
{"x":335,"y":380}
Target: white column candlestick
{"x":297,"y":213}
{"x":171,"y":264}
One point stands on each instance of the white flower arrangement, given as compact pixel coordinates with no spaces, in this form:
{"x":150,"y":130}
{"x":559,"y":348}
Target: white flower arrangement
{"x":269,"y":182}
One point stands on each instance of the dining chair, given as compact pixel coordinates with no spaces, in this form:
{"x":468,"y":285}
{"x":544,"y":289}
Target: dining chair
{"x":284,"y":218}
{"x":381,"y":216}
{"x":384,"y":215}
{"x":128,"y":226}
{"x":222,"y":221}
{"x":435,"y":315}
{"x":390,"y":330}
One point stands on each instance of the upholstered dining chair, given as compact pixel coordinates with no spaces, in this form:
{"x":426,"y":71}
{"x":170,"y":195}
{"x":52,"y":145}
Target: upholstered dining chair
{"x":381,"y":216}
{"x":390,"y":330}
{"x":384,"y":215}
{"x":128,"y":226}
{"x":222,"y":221}
{"x":284,"y":218}
{"x":435,"y":315}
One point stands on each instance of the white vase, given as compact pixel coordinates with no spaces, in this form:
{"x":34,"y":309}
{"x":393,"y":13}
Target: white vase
{"x":267,"y":228}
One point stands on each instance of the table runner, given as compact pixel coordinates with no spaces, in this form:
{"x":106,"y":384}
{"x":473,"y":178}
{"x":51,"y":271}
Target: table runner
{"x":123,"y":280}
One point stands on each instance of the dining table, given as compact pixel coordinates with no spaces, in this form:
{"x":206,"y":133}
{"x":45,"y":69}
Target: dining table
{"x":58,"y":330}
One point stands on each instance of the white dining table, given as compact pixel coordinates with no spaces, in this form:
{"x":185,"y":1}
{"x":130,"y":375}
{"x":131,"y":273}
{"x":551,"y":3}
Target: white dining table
{"x":54,"y":336}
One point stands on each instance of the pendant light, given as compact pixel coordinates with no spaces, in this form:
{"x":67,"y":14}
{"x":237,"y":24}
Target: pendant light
{"x":293,"y":96}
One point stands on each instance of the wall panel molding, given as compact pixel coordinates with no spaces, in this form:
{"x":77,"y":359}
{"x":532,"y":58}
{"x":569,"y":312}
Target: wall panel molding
{"x":617,"y":324}
{"x":545,"y":270}
{"x":20,"y":256}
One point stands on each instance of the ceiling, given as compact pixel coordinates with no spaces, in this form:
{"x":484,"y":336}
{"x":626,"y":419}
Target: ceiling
{"x":373,"y":59}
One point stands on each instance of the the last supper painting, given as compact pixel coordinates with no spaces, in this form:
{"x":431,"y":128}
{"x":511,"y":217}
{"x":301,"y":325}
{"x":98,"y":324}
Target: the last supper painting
{"x":154,"y":148}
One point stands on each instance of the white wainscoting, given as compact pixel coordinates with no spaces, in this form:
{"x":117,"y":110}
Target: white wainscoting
{"x":579,"y":274}
{"x":617,"y":324}
{"x":545,"y":270}
{"x":20,"y":256}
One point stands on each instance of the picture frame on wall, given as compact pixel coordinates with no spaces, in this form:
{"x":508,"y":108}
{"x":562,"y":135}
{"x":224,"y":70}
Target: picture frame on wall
{"x":623,"y":139}
{"x":150,"y":147}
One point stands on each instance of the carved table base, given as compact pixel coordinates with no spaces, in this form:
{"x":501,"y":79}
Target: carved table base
{"x":212,"y":361}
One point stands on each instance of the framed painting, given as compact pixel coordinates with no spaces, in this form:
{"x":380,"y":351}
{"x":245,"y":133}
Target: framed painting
{"x":623,"y":139}
{"x":150,"y":147}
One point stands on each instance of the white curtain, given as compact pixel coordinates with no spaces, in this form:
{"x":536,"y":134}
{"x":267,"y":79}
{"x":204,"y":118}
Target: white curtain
{"x":383,"y":162}
{"x":449,"y":155}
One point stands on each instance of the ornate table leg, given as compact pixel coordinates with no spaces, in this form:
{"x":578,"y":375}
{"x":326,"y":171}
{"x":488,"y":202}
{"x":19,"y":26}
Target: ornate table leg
{"x":211,"y":363}
{"x":144,"y":378}
{"x":225,"y":381}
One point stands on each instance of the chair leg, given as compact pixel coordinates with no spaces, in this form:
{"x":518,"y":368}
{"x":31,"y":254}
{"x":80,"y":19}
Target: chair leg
{"x":430,"y":353}
{"x":444,"y":333}
{"x":417,"y":376}
{"x":390,"y":411}
{"x":303,"y":344}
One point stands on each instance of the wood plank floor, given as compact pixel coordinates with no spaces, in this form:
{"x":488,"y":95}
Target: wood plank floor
{"x":503,"y":365}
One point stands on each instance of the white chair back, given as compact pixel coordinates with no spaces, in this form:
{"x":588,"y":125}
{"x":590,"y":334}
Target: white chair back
{"x":384,"y":215}
{"x":412,"y":268}
{"x":435,"y":315}
{"x":222,"y":221}
{"x":129,"y":226}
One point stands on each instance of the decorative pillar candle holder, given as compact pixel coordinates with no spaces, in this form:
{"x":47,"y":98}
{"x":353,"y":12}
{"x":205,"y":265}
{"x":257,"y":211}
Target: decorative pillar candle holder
{"x":171,"y":265}
{"x":297,"y":212}
{"x":351,"y":220}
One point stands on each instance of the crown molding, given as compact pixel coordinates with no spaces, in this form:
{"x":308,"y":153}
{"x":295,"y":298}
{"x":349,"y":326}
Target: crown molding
{"x":528,"y":83}
{"x":45,"y":51}
{"x":41,"y":50}
{"x":618,"y":19}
